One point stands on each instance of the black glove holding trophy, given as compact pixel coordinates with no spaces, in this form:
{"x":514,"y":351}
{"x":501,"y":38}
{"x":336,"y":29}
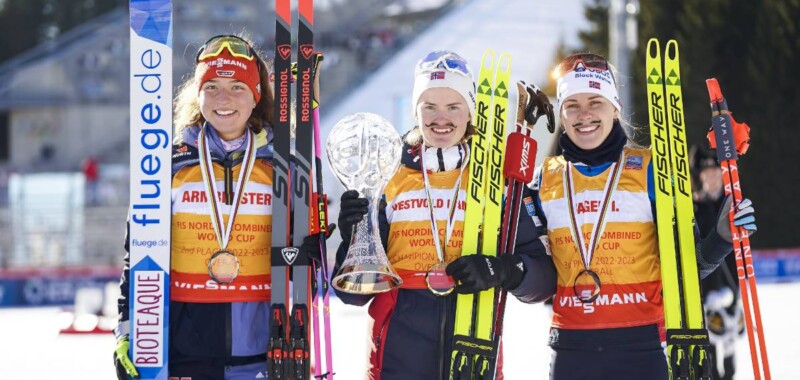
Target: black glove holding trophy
{"x":364,"y":152}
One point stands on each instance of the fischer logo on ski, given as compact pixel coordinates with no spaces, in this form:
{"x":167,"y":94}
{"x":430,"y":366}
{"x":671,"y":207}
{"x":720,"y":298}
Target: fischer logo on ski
{"x":687,"y":338}
{"x":475,"y":314}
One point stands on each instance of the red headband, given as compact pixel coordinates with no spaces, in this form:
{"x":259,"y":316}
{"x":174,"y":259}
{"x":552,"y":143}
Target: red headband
{"x":224,"y":65}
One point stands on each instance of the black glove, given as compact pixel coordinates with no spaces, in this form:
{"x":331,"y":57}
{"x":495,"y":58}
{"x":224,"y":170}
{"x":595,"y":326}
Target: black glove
{"x":475,"y":273}
{"x":538,"y":106}
{"x":744,"y":217}
{"x":351,"y":212}
{"x":311,"y":247}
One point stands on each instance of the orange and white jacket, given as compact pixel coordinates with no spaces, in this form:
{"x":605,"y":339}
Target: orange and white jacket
{"x":626,"y":258}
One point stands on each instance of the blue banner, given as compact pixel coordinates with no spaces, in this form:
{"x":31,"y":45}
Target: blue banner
{"x":48,"y":289}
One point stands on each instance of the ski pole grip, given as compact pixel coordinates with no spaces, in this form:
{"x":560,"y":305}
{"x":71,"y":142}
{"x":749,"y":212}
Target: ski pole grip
{"x":520,"y":157}
{"x":733,"y":137}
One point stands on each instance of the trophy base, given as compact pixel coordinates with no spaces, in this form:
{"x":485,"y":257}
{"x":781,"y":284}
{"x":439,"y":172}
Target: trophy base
{"x":366,"y":279}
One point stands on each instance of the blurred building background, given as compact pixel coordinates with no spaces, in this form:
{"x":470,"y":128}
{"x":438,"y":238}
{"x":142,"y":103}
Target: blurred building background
{"x":64,"y":124}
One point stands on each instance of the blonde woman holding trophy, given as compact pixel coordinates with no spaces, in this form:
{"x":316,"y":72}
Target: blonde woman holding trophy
{"x":419,"y":220}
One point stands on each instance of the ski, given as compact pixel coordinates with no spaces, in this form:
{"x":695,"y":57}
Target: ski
{"x":687,"y":338}
{"x":300,"y":342}
{"x":150,"y":213}
{"x":321,"y":301}
{"x":289,"y":352}
{"x":731,"y":139}
{"x":282,"y":253}
{"x":474,"y":345}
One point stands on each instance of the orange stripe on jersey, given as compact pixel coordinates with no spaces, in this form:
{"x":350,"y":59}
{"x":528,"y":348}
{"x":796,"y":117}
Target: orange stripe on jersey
{"x":201,"y":288}
{"x":616,"y":306}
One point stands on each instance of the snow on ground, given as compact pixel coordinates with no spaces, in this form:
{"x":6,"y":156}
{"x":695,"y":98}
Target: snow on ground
{"x":32,"y":349}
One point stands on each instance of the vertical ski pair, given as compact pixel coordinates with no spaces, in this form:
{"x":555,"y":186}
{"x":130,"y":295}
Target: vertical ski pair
{"x":296,"y":211}
{"x":150,"y":212}
{"x":687,"y":337}
{"x":731,"y":139}
{"x":474,"y":345}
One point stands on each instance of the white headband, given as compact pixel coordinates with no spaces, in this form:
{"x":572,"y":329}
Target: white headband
{"x":588,"y":80}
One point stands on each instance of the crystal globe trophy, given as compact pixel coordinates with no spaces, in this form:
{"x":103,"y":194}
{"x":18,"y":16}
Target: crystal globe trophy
{"x":364,"y":152}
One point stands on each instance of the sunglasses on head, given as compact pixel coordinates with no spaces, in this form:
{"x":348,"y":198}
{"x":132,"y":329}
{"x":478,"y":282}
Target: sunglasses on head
{"x":587,"y":60}
{"x":443,"y":59}
{"x":236,"y":46}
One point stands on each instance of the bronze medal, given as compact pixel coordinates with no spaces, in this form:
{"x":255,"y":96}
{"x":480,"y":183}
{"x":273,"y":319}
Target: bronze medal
{"x":223,"y":267}
{"x":587,"y":293}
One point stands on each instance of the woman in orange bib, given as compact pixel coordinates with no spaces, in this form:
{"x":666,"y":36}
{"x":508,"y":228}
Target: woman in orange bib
{"x":593,"y":210}
{"x":421,"y":224}
{"x":221,"y":220}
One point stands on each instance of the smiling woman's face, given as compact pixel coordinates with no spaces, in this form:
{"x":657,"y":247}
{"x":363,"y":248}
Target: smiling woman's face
{"x":587,"y":119}
{"x":443,"y":115}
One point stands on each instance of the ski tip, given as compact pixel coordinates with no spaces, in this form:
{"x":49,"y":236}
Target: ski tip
{"x":714,"y":92}
{"x":653,"y":48}
{"x":488,"y":59}
{"x":283,"y":9}
{"x":306,"y":9}
{"x":671,"y":50}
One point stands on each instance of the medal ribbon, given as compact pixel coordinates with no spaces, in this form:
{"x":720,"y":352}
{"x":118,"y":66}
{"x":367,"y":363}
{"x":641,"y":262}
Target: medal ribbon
{"x":451,"y":218}
{"x":587,"y":251}
{"x":207,"y":170}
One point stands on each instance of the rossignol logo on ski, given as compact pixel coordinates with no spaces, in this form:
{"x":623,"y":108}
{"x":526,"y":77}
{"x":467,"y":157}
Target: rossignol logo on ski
{"x":285,"y":51}
{"x":307,"y":51}
{"x":289,"y":254}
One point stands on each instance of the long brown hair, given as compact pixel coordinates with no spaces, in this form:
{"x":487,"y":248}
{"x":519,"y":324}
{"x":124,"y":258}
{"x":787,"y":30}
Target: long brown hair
{"x":187,"y":104}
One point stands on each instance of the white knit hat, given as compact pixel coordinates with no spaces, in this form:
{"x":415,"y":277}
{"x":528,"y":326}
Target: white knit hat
{"x":443,"y":69}
{"x":588,"y":80}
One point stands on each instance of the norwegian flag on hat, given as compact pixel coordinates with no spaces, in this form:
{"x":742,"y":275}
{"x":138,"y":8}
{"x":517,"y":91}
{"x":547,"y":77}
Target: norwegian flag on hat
{"x":594,"y":84}
{"x":437,"y":75}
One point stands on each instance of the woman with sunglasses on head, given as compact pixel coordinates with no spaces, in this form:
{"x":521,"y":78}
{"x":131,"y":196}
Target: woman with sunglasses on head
{"x":421,"y":224}
{"x":593,"y":210}
{"x":221,"y":212}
